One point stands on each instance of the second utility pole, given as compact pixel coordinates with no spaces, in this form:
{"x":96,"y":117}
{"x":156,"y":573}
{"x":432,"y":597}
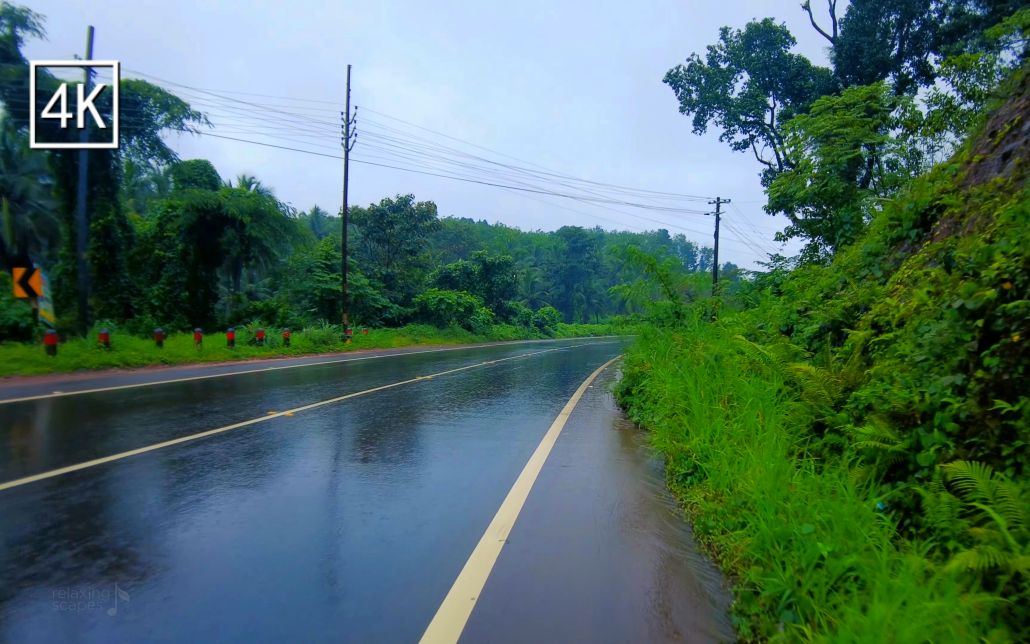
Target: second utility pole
{"x":347,"y":140}
{"x":715,"y":260}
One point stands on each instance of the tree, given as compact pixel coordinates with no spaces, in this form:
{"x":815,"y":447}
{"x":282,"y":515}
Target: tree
{"x":392,"y":243}
{"x":492,"y":278}
{"x":179,"y":256}
{"x":255,"y":235}
{"x":748,"y":84}
{"x":195,"y":174}
{"x":848,"y":148}
{"x":17,"y":24}
{"x":546,"y":319}
{"x":142,"y":183}
{"x":147,"y":111}
{"x":576,"y":271}
{"x":970,"y":80}
{"x":320,"y":223}
{"x":445,"y":308}
{"x":30,"y":228}
{"x":312,"y":281}
{"x":887,"y":40}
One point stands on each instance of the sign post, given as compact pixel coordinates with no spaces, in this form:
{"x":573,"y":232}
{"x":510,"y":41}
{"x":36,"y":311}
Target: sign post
{"x":30,"y":282}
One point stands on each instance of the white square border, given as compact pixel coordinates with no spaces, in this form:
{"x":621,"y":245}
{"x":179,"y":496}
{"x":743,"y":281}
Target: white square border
{"x":116,"y":74}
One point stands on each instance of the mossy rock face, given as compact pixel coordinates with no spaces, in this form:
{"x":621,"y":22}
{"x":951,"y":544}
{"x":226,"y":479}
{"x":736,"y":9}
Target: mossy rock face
{"x":1000,"y":151}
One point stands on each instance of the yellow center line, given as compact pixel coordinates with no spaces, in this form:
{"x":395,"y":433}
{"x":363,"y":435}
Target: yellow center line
{"x":253,"y":421}
{"x":78,"y":392}
{"x":454,"y":612}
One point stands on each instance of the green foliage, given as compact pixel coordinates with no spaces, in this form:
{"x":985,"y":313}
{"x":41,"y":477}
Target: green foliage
{"x":812,"y":556}
{"x":29,"y":227}
{"x":869,"y":139}
{"x":444,"y":308}
{"x":888,"y":39}
{"x":971,"y":79}
{"x":494,"y":279}
{"x":392,"y":244}
{"x":15,"y":315}
{"x":146,"y":111}
{"x":846,"y":151}
{"x":546,"y":319}
{"x":747,"y":84}
{"x":195,"y":174}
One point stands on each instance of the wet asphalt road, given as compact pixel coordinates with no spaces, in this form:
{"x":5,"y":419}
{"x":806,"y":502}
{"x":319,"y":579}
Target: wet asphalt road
{"x":343,"y":522}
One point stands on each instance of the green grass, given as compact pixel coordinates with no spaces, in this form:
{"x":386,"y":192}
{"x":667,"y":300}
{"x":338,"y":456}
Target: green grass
{"x":79,"y":354}
{"x":810,"y":551}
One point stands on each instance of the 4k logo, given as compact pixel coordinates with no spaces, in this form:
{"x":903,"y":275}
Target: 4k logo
{"x":74,"y":111}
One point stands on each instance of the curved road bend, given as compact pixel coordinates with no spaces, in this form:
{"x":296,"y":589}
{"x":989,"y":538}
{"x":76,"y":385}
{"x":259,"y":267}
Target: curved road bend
{"x":337,"y":502}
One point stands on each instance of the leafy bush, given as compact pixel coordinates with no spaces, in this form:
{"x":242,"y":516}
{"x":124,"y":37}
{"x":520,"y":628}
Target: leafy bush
{"x":546,"y":319}
{"x":443,"y":308}
{"x":811,"y":547}
{"x":521,"y":315}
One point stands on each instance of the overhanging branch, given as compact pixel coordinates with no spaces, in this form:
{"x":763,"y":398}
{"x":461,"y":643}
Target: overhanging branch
{"x":832,"y":6}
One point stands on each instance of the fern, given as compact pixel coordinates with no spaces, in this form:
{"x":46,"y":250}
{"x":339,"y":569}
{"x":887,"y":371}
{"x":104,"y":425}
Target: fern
{"x":981,"y":559}
{"x":997,"y":507}
{"x":877,"y":436}
{"x":979,"y":483}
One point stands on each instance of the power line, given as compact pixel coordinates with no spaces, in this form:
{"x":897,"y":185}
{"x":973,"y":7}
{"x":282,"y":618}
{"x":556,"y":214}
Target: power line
{"x":220,"y":94}
{"x":486,"y":183}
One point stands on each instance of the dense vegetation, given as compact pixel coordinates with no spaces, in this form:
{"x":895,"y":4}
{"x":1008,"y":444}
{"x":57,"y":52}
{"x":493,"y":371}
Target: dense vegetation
{"x":849,"y":432}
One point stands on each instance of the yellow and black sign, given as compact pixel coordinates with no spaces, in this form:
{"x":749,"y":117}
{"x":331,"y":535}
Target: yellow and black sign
{"x":28,"y":281}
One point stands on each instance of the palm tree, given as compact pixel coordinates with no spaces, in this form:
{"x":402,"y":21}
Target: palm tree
{"x":258,"y":233}
{"x":250,"y":183}
{"x":31,"y":228}
{"x":143,"y":183}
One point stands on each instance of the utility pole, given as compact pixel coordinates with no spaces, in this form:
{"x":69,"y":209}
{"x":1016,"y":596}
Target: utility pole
{"x":715,"y":259}
{"x":347,"y":140}
{"x":81,"y":221}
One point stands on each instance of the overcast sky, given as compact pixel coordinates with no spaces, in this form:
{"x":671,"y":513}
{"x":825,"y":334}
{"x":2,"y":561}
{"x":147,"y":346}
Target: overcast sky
{"x":574,"y":86}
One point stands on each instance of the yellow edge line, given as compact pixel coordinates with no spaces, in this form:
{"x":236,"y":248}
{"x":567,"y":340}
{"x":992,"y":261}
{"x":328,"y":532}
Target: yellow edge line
{"x":253,"y":421}
{"x":61,"y":394}
{"x":454,"y":612}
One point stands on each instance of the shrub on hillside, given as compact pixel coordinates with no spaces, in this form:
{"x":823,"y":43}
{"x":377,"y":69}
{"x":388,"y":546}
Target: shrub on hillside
{"x":547,"y":319}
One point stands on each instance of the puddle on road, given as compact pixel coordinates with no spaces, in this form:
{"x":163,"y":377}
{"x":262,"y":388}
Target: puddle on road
{"x":687,"y":587}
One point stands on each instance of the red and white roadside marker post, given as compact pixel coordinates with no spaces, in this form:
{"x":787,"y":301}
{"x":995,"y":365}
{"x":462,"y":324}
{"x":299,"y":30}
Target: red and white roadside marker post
{"x":159,"y":337}
{"x":230,"y":337}
{"x":198,"y":337}
{"x":50,"y":342}
{"x":259,"y":337}
{"x":286,"y":337}
{"x":104,"y":338}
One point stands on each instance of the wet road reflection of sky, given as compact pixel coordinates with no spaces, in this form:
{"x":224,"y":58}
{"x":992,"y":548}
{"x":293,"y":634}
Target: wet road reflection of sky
{"x":346,"y":522}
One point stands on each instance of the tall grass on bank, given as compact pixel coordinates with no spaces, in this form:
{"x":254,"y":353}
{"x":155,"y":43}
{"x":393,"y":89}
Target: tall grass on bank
{"x":20,"y":359}
{"x":811,"y":552}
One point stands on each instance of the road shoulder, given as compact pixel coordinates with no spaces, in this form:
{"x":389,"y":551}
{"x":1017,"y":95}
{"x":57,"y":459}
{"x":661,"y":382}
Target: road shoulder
{"x":600,"y":551}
